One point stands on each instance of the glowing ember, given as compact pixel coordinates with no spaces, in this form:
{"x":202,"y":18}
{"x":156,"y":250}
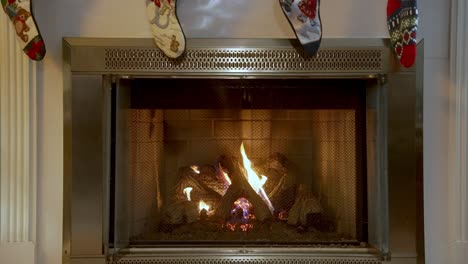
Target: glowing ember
{"x":241,"y":216}
{"x":242,"y":206}
{"x":226,"y":178}
{"x":253,"y":179}
{"x":187,"y":193}
{"x":195,"y":169}
{"x":283,"y":215}
{"x":202,"y":205}
{"x":246,"y":227}
{"x":243,"y":227}
{"x":231,"y":226}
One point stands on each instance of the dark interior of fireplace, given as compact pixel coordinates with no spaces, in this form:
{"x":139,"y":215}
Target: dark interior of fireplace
{"x":257,"y":161}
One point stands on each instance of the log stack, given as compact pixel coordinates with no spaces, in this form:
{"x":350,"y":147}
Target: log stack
{"x":208,"y":183}
{"x":240,"y":188}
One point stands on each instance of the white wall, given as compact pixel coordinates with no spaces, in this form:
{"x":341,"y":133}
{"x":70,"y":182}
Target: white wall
{"x":435,"y":27}
{"x":246,"y":18}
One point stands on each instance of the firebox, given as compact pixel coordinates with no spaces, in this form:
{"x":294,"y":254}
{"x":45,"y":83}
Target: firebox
{"x":241,"y":151}
{"x":254,"y":161}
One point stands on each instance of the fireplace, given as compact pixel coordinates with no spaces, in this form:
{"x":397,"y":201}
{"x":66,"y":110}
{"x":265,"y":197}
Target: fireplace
{"x":241,"y":151}
{"x":303,"y":138}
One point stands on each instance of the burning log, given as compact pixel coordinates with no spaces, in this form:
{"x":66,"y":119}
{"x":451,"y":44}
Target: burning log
{"x":240,"y":188}
{"x":284,"y":199}
{"x":209,"y":175}
{"x":228,"y":165}
{"x":281,"y":181}
{"x":191,"y":177}
{"x":305,"y":205}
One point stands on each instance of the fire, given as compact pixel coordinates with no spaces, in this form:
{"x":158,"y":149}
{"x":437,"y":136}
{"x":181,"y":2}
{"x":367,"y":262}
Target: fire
{"x":263,"y":180}
{"x":253,"y":179}
{"x":202,"y":205}
{"x":195,"y":169}
{"x":241,"y":216}
{"x":243,"y":205}
{"x":187,"y":193}
{"x":226,"y":178}
{"x":252,"y":176}
{"x":283,"y":215}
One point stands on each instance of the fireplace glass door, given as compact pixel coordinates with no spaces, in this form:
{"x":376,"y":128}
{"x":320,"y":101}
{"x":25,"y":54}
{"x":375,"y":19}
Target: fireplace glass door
{"x":239,"y":161}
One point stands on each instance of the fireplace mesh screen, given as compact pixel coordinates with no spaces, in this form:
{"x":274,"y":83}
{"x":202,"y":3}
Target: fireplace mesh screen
{"x":316,"y":149}
{"x":233,"y":162}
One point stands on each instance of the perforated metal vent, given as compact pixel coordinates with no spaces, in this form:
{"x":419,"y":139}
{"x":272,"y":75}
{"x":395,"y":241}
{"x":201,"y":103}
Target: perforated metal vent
{"x":247,"y":261}
{"x":245,"y":60}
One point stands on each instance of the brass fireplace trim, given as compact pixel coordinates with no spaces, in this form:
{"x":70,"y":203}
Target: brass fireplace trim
{"x":355,"y":57}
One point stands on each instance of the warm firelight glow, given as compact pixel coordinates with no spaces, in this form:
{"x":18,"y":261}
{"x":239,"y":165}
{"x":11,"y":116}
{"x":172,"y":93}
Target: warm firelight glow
{"x":225,"y":175}
{"x":187,"y":193}
{"x":252,"y":176}
{"x":202,"y":205}
{"x":244,"y":205}
{"x":253,"y":179}
{"x":241,"y":216}
{"x":195,"y":169}
{"x":263,"y":180}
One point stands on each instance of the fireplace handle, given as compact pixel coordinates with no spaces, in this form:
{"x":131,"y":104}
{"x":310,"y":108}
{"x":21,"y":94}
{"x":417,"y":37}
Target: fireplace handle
{"x":245,"y":251}
{"x":246,"y":98}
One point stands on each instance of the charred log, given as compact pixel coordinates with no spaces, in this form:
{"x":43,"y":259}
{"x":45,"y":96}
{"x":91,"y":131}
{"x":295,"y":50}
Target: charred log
{"x":285,"y":199}
{"x":180,"y":213}
{"x":280,"y":185}
{"x":209,"y":177}
{"x":306,"y":204}
{"x":200,"y":189}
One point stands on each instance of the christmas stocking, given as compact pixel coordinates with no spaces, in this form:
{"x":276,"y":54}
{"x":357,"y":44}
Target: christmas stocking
{"x":19,"y":12}
{"x":304,"y":17}
{"x":402,"y":22}
{"x":167,"y":32}
{"x":409,"y":27}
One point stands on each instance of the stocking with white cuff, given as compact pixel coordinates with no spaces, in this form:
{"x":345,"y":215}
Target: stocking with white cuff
{"x":167,"y":32}
{"x":28,"y":35}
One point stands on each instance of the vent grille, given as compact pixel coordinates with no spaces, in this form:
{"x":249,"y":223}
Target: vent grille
{"x":246,"y":60}
{"x":246,"y":261}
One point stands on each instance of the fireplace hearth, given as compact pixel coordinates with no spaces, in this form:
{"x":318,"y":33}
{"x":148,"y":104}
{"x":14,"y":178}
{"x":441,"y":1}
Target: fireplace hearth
{"x":241,"y":151}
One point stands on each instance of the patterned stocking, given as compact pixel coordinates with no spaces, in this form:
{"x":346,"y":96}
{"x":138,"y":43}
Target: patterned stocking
{"x":402,"y":22}
{"x":304,"y":17}
{"x":167,"y":31}
{"x":19,"y":12}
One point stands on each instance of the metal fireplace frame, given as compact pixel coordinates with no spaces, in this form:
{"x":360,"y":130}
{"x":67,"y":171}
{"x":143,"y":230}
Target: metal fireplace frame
{"x":94,"y":65}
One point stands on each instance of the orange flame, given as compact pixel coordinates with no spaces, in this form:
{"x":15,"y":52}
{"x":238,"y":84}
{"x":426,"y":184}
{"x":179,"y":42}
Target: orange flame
{"x":253,"y":179}
{"x":202,"y":205}
{"x":195,"y":169}
{"x":225,"y":175}
{"x":187,"y":193}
